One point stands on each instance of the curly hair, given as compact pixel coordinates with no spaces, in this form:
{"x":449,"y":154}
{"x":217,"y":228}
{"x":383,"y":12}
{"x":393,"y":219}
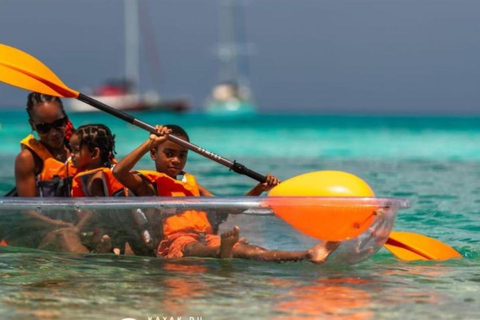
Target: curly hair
{"x":98,"y":136}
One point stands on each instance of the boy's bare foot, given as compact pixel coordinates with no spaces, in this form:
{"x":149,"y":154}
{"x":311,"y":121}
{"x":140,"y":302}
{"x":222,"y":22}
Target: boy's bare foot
{"x":104,"y":246}
{"x":243,"y":240}
{"x":228,"y":240}
{"x":320,"y":252}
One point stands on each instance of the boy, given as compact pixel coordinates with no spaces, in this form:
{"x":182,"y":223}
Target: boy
{"x":183,"y":233}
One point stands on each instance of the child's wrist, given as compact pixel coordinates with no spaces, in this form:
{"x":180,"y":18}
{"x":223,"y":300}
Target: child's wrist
{"x":149,"y":142}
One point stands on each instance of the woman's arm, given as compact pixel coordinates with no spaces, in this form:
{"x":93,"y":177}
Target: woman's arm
{"x":26,"y":187}
{"x":25,"y":174}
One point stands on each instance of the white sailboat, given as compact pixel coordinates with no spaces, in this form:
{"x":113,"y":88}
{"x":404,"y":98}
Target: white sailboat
{"x":123,"y":94}
{"x":233,"y":95}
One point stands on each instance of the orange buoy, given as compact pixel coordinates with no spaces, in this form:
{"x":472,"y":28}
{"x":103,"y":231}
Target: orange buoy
{"x":331,"y":220}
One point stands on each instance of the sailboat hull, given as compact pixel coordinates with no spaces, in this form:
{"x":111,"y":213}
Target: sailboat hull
{"x":231,"y":108}
{"x":132,"y":102}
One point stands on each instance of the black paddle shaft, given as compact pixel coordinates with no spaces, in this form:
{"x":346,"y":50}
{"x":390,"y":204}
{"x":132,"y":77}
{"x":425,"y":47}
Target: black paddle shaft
{"x":232,"y":165}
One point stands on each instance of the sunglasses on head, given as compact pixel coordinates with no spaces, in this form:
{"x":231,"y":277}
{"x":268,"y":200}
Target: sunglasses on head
{"x":46,"y":127}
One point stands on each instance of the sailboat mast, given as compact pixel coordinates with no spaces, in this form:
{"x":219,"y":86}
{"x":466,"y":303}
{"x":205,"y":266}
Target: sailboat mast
{"x":232,"y":44}
{"x":132,"y":46}
{"x":228,"y":53}
{"x":233,"y":94}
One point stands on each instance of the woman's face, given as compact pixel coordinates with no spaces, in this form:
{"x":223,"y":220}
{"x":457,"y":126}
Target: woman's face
{"x":48,"y":119}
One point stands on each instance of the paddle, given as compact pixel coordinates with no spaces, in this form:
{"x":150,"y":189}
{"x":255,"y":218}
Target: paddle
{"x":22,"y":70}
{"x":12,"y":193}
{"x":413,"y":246}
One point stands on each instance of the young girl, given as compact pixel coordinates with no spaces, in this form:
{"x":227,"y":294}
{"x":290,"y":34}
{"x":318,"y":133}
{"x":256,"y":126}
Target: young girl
{"x":190,"y":233}
{"x":93,"y":148}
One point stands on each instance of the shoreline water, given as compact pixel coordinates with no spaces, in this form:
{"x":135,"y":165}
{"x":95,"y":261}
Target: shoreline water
{"x":434,"y":162}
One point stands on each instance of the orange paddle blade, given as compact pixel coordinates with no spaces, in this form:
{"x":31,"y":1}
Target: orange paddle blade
{"x":19,"y":69}
{"x":341,"y":221}
{"x":413,"y":246}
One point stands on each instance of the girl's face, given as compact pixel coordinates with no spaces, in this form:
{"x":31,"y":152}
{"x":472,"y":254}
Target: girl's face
{"x":170,"y":158}
{"x":49,"y":120}
{"x":82,"y":157}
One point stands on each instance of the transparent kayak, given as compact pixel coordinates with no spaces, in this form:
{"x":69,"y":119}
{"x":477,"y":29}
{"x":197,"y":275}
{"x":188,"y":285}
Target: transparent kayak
{"x":25,"y":222}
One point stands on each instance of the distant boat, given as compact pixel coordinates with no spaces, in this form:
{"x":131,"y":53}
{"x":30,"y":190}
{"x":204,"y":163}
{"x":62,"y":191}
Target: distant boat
{"x":119,"y":94}
{"x":123,"y":94}
{"x":230,"y":99}
{"x":233,"y":95}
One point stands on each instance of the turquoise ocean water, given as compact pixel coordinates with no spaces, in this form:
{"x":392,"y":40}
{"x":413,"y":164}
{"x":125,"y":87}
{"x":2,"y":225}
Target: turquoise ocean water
{"x":434,"y":162}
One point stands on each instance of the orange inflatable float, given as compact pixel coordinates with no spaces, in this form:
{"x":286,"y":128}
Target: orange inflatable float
{"x":331,"y":219}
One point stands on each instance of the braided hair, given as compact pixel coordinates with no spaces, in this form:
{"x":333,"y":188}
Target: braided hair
{"x":35,"y":98}
{"x":98,"y":136}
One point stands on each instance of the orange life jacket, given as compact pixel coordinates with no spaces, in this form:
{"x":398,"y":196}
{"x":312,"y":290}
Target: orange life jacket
{"x":112,"y":187}
{"x":187,"y":221}
{"x":55,"y":177}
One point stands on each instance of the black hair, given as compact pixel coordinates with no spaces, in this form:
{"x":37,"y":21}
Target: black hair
{"x":98,"y":136}
{"x":34,"y":98}
{"x":178,"y":131}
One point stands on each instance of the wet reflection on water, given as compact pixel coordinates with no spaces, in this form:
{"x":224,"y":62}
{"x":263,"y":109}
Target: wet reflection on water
{"x":44,"y":285}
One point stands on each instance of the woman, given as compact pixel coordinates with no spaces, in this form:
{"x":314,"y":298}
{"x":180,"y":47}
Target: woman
{"x":42,"y":167}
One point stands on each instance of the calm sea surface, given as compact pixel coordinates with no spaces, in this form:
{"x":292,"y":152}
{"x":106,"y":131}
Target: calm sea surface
{"x":434,"y":162}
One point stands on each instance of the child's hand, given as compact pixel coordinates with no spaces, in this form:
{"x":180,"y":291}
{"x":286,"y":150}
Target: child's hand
{"x":271,"y":182}
{"x":160,"y":137}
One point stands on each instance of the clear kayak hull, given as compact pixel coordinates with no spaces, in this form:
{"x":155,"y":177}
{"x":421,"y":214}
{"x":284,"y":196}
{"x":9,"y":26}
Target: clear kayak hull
{"x":21,"y":221}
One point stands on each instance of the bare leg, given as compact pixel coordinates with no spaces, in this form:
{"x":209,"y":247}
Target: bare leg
{"x":198,"y":249}
{"x":243,"y":240}
{"x":317,"y":254}
{"x":320,"y":252}
{"x":228,"y":240}
{"x":128,"y":250}
{"x":65,"y":239}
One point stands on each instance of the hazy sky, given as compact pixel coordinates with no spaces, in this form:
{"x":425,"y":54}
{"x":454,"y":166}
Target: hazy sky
{"x":336,"y":56}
